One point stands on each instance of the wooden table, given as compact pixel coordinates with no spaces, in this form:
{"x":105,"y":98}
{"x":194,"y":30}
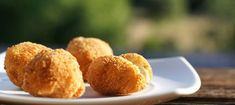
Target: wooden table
{"x":218,"y":88}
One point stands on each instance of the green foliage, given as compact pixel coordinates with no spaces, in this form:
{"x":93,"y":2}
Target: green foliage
{"x":107,"y":18}
{"x":222,"y":9}
{"x":57,"y":21}
{"x":155,"y":44}
{"x":162,"y":9}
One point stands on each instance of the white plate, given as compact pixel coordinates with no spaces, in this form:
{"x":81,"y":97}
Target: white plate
{"x":173,"y":77}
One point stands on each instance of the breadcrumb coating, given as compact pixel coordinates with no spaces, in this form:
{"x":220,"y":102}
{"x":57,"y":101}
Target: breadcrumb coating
{"x":119,"y":75}
{"x":142,"y":63}
{"x":86,"y":50}
{"x":17,"y":57}
{"x":54,"y":73}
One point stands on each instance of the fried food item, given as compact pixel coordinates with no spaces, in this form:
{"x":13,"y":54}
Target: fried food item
{"x":17,"y":57}
{"x":119,"y":75}
{"x":142,"y":64}
{"x":54,"y":73}
{"x":86,"y":50}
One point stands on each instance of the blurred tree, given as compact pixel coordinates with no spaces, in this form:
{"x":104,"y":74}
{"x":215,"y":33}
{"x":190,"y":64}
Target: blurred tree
{"x":223,"y":10}
{"x":57,"y":21}
{"x":161,"y":9}
{"x":107,"y":18}
{"x":154,"y":44}
{"x":196,"y":6}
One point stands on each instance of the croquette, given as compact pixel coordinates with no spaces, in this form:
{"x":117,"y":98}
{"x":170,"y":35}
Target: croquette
{"x":17,"y":57}
{"x":86,"y":50}
{"x":141,"y":63}
{"x":119,"y":75}
{"x":55,"y":74}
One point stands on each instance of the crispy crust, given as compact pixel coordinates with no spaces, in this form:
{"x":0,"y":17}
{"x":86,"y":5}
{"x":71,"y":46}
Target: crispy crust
{"x":86,"y":50}
{"x":141,"y":62}
{"x":114,"y":75}
{"x":54,"y":73}
{"x":17,"y":57}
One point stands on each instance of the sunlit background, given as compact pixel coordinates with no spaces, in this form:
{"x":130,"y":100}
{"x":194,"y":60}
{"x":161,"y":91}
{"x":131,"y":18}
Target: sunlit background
{"x":201,"y":30}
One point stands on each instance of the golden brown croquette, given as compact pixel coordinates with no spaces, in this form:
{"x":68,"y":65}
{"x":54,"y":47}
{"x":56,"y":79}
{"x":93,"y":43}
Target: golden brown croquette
{"x":17,"y":57}
{"x":141,"y":62}
{"x":54,"y":73}
{"x":86,"y":50}
{"x":119,"y":75}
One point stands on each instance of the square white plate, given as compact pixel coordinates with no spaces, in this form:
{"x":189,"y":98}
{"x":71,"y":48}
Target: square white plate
{"x":173,"y":77}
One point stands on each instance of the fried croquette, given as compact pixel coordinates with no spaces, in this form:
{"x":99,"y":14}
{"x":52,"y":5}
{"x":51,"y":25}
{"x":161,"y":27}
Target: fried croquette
{"x":119,"y":75}
{"x":142,"y":63}
{"x":54,"y":73}
{"x":17,"y":57}
{"x":86,"y":50}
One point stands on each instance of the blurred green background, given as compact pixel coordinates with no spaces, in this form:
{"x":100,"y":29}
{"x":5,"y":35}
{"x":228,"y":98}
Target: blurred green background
{"x":155,"y":28}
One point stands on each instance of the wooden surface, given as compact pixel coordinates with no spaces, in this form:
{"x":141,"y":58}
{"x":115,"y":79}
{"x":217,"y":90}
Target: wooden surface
{"x":218,"y":88}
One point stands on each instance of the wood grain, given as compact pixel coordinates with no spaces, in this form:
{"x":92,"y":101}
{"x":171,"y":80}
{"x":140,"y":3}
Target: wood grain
{"x":218,"y":88}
